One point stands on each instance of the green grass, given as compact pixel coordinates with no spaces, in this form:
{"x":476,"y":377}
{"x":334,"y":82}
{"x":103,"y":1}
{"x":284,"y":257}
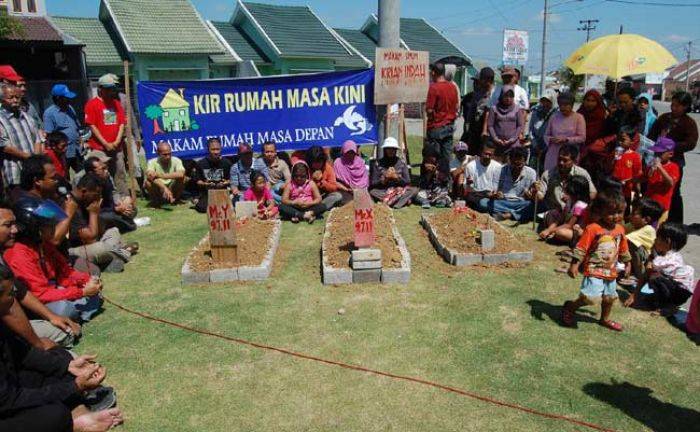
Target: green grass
{"x":483,"y":330}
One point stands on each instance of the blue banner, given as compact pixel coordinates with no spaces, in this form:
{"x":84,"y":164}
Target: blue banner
{"x":295,"y":111}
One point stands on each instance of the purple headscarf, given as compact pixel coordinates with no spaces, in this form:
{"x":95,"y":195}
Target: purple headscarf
{"x":350,"y":169}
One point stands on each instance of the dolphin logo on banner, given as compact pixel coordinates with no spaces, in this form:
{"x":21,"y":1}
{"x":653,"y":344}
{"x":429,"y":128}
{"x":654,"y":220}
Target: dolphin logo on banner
{"x":353,"y":121}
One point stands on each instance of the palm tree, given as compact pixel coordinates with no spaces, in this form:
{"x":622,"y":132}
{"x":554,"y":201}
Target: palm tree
{"x":153,"y":112}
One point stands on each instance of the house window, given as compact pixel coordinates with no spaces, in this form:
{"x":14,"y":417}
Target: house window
{"x":17,"y":5}
{"x":166,"y":114}
{"x":182,"y":113}
{"x":31,"y":6}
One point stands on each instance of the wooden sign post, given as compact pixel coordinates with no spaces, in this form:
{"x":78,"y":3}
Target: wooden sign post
{"x":400,"y":76}
{"x":364,"y":219}
{"x":222,"y":227}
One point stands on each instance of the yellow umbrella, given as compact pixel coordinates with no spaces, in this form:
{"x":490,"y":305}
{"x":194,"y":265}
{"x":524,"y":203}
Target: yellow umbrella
{"x":620,"y":55}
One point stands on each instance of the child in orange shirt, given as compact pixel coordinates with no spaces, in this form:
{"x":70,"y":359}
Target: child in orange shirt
{"x":600,"y":247}
{"x":628,"y":164}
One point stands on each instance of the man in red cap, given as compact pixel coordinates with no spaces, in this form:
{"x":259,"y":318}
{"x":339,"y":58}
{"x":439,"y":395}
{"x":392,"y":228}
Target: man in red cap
{"x":8,"y":74}
{"x":19,"y":134}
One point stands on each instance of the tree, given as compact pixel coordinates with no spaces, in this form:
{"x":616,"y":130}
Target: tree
{"x":9,"y":26}
{"x":567,"y":76}
{"x":153,"y":112}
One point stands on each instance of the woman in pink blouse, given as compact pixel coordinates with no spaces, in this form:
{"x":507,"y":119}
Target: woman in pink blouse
{"x":565,"y":127}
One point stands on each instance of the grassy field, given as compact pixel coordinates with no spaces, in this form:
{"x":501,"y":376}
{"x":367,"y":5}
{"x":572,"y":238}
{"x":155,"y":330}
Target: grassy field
{"x":490,"y":331}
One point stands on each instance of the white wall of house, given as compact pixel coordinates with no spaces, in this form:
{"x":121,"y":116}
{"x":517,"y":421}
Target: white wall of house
{"x":26,"y":7}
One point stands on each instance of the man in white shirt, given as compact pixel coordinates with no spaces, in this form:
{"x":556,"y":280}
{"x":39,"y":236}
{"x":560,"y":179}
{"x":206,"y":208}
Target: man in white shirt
{"x":481,"y":179}
{"x":511,"y":76}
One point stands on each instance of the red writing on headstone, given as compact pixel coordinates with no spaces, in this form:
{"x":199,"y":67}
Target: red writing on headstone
{"x":364,"y":221}
{"x":220,"y":217}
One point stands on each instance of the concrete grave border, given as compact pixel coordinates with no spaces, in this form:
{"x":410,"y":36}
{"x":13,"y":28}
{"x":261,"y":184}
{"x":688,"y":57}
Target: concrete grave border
{"x":244,"y":273}
{"x":341,"y":276}
{"x":466,"y":259}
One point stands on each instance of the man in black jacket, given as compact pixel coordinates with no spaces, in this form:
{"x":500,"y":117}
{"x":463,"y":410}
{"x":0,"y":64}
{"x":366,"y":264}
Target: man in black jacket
{"x":43,"y":390}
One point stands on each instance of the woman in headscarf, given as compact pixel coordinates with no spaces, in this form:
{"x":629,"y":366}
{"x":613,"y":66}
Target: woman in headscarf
{"x":596,"y":155}
{"x":682,"y":129}
{"x":506,"y":123}
{"x":644,"y":103}
{"x":539,"y":118}
{"x":565,"y":127}
{"x":593,"y":111}
{"x":350,"y":171}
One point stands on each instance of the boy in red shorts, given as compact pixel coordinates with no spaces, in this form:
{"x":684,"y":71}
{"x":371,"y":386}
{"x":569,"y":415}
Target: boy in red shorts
{"x":628,"y":163}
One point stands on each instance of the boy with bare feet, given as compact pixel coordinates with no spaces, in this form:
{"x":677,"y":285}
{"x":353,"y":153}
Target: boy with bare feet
{"x":44,"y":391}
{"x":601,"y":246}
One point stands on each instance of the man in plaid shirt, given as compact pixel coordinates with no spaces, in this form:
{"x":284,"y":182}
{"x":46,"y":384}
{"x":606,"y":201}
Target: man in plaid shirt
{"x":18,"y":134}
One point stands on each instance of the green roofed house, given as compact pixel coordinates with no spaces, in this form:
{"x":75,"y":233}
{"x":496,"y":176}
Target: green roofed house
{"x":101,"y":53}
{"x":288,"y":40}
{"x":164,"y":39}
{"x":176,"y":112}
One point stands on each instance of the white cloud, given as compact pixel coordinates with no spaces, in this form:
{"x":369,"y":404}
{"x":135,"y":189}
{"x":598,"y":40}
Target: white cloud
{"x":478,"y":31}
{"x":551,"y":17}
{"x":676,"y":38}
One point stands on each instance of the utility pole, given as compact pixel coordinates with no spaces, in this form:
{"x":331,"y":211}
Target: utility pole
{"x":588,"y":26}
{"x":543,"y":62}
{"x":389,"y":23}
{"x":389,"y":17}
{"x":688,"y":51}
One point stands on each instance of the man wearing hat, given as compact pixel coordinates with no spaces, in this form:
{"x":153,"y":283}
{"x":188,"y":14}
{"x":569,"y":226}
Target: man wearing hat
{"x":8,"y":74}
{"x":475,"y":111}
{"x":390,"y":181}
{"x":61,"y":117}
{"x":511,"y":76}
{"x":105,"y":116}
{"x":458,"y":166}
{"x":19,"y":134}
{"x":441,"y":108}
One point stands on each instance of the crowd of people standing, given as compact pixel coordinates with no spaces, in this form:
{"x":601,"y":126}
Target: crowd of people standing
{"x":584,"y":172}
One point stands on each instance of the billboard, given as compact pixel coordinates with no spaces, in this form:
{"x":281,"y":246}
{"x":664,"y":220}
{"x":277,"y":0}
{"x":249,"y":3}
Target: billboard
{"x":515,"y":47}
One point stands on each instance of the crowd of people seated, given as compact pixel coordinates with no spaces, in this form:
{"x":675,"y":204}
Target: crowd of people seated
{"x":603,"y":180}
{"x":61,"y":220}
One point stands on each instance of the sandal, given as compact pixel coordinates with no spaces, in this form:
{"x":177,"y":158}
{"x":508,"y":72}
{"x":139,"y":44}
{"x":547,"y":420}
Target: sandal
{"x":612,"y":325}
{"x":567,"y":316}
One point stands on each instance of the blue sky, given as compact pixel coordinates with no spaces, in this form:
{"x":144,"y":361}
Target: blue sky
{"x":477,"y":26}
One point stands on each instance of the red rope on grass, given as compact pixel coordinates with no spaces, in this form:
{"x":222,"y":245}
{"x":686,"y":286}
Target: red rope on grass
{"x":364,"y":369}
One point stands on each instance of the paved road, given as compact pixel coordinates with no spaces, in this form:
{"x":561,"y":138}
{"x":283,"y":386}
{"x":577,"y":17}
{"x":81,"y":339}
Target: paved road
{"x":691,"y":187}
